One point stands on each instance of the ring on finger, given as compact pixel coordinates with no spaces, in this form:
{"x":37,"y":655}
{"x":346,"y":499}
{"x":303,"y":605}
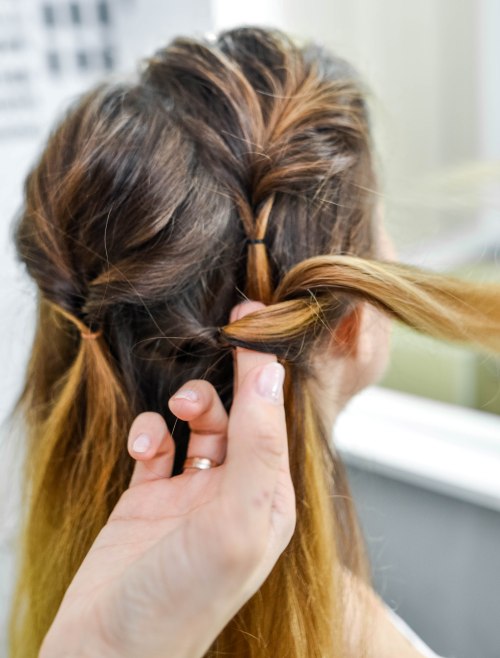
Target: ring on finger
{"x":199,"y":463}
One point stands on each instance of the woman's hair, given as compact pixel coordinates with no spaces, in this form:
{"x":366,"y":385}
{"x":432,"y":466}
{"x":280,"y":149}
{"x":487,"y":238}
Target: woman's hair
{"x":240,"y":166}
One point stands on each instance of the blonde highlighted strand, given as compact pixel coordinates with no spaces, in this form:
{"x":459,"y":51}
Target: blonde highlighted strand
{"x":58,"y":493}
{"x":441,"y":306}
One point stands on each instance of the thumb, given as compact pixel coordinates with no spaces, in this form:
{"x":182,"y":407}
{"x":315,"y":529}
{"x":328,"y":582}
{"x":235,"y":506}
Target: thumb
{"x":257,"y":444}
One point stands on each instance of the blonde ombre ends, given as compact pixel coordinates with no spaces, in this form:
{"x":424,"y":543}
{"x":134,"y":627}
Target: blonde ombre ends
{"x":136,"y":223}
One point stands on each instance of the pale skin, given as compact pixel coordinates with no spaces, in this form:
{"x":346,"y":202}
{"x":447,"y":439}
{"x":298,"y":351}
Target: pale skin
{"x":175,"y":561}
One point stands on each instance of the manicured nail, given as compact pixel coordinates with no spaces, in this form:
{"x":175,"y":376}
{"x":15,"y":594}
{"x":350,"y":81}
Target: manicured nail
{"x":270,"y":382}
{"x":186,"y":394}
{"x":142,"y":443}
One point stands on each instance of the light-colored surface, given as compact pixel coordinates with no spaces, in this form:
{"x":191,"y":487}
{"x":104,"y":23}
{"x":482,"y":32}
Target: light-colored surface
{"x":434,"y":445}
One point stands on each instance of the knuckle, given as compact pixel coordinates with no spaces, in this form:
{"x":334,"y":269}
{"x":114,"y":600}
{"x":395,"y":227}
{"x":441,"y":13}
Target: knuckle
{"x":139,"y":421}
{"x":203,"y":386}
{"x":208,"y":396}
{"x":200,"y":386}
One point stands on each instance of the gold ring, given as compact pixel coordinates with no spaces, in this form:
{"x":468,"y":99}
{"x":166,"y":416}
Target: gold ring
{"x":200,"y":463}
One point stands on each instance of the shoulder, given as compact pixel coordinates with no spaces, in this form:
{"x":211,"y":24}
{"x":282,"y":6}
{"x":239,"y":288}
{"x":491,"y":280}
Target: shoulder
{"x":403,"y":628}
{"x":388,"y":635}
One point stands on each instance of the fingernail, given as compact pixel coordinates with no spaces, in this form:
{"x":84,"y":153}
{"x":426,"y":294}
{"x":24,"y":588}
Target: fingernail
{"x":270,"y":382}
{"x":186,"y":394}
{"x":142,"y":443}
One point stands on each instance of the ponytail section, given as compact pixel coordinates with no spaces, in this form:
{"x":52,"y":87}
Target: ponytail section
{"x":259,"y":282}
{"x":314,"y":293}
{"x":76,"y":467}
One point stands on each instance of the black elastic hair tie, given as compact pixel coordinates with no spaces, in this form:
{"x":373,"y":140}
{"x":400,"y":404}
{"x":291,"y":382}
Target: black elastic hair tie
{"x":256,"y":241}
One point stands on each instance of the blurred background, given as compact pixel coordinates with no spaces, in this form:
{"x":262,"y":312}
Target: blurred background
{"x":423,"y":449}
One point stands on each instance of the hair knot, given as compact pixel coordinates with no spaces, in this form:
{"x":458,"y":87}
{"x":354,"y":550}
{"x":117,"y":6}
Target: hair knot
{"x":86,"y":332}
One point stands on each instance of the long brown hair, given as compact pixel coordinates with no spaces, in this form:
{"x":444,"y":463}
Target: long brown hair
{"x":136,"y":224}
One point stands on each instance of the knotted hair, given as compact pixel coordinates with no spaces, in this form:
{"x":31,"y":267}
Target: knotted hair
{"x":242,"y":167}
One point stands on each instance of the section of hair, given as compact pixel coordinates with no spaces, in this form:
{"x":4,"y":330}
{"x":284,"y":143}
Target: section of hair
{"x":313,"y":295}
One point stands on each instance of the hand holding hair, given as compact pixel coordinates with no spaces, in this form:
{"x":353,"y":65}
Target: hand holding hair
{"x":179,"y":556}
